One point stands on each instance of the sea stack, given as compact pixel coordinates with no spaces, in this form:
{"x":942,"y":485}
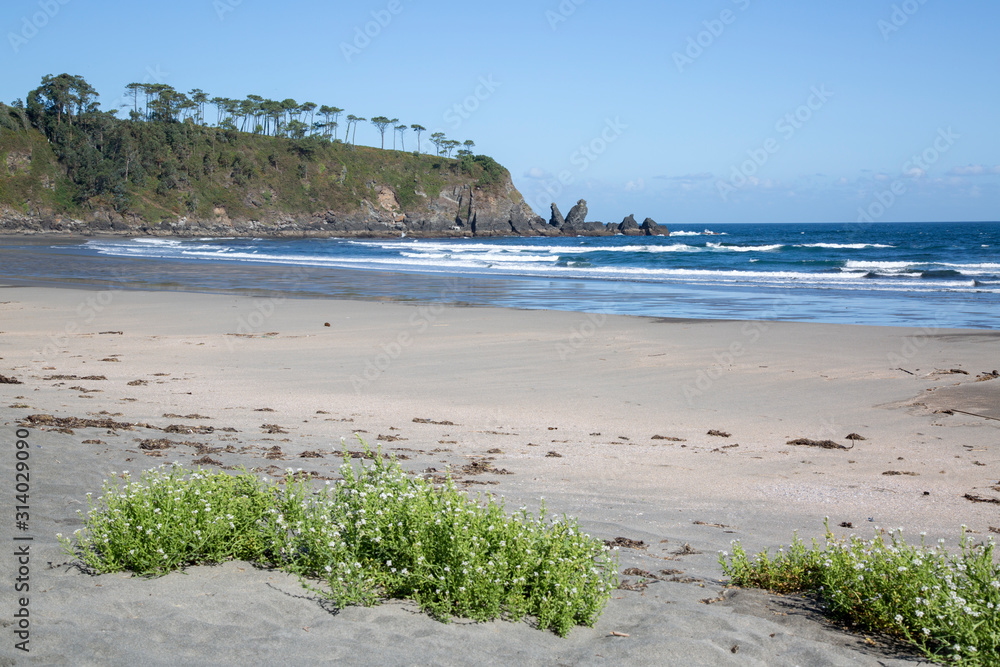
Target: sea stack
{"x":577,"y":215}
{"x":652,"y":229}
{"x":557,"y":220}
{"x":629,"y":227}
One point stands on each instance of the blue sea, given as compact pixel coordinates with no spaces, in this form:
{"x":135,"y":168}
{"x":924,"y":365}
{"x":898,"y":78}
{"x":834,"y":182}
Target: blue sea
{"x":907,"y":274}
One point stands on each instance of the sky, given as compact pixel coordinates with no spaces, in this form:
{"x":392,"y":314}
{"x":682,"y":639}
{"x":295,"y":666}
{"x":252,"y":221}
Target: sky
{"x":719,"y":111}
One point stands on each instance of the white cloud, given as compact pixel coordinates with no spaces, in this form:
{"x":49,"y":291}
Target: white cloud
{"x":702,"y":176}
{"x":974,"y":170}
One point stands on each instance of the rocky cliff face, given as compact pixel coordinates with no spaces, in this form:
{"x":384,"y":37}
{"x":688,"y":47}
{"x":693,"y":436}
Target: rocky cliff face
{"x":460,"y":211}
{"x":212,"y":182}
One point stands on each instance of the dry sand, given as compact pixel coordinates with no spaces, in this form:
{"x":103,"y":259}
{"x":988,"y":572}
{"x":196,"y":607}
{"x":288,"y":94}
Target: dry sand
{"x":571,"y":404}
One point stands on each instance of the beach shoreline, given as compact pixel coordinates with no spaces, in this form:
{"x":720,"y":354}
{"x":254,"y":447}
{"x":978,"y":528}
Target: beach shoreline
{"x":768,"y":272}
{"x":606,"y":417}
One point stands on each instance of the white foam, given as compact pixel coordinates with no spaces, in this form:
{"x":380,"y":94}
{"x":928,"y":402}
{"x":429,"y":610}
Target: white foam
{"x":845,"y":246}
{"x":173,"y":243}
{"x":885,"y":266}
{"x":452,"y":248}
{"x":543,"y":260}
{"x":745,"y":248}
{"x":972,"y":268}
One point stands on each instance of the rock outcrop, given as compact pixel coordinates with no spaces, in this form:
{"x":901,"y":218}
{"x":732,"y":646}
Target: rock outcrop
{"x":650,"y":227}
{"x":456,"y":212}
{"x":556,"y":219}
{"x":577,"y":215}
{"x":629,"y":227}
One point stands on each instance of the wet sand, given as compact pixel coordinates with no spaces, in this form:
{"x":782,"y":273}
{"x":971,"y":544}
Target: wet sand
{"x":606,"y":417}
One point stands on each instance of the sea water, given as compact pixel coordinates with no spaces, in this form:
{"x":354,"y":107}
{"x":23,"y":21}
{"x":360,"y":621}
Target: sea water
{"x":940,"y":275}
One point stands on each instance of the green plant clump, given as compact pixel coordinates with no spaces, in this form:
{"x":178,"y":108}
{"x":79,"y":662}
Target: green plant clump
{"x":379,"y":533}
{"x":946,"y":605}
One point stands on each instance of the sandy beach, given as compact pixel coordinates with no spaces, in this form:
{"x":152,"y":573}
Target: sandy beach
{"x":606,"y":417}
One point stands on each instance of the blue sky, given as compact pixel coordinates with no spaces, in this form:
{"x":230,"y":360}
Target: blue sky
{"x":715,"y":111}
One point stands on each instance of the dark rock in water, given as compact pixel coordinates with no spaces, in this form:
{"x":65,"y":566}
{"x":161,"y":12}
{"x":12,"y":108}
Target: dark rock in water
{"x":652,"y":229}
{"x":940,"y":274}
{"x":557,"y":220}
{"x":629,"y":227}
{"x":525,"y":224}
{"x":577,"y":215}
{"x":593,"y":229}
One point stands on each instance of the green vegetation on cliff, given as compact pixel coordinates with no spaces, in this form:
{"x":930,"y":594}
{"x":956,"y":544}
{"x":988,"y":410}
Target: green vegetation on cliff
{"x":61,"y":153}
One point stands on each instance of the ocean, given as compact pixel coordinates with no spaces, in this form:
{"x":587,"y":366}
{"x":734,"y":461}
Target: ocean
{"x":934,"y":275}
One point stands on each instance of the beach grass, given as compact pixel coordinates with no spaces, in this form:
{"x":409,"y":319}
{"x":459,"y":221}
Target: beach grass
{"x":944,"y":604}
{"x":378,"y":533}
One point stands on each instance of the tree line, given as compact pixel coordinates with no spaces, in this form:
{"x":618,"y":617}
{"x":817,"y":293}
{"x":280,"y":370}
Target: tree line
{"x":167,"y":146}
{"x":259,"y":115}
